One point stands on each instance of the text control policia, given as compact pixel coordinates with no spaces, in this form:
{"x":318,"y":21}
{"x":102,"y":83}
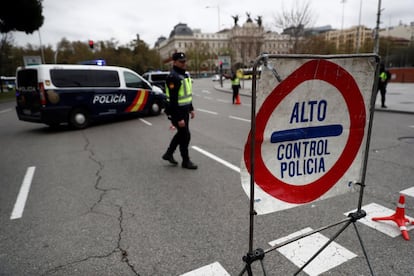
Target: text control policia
{"x":305,"y":157}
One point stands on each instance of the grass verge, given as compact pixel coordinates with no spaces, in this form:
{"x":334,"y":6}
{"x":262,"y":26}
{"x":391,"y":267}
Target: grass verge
{"x":7,"y":96}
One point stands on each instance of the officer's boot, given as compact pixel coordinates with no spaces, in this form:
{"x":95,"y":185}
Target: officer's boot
{"x":168,"y":156}
{"x":189,"y":165}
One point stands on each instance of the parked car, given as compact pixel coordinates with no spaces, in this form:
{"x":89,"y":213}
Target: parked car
{"x":215,"y":78}
{"x":7,"y":83}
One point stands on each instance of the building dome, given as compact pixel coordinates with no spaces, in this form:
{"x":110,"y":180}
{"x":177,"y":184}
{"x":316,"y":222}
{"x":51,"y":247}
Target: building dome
{"x":249,"y":24}
{"x":159,"y":40}
{"x":181,"y":29}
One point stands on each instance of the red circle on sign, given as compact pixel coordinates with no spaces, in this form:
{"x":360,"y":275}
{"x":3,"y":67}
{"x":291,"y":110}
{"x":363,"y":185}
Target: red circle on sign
{"x":312,"y":70}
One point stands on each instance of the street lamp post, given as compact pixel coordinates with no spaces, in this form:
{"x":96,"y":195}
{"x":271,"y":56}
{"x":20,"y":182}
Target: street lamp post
{"x":41,"y":47}
{"x":359,"y":28}
{"x":218,"y":13}
{"x":376,"y":39}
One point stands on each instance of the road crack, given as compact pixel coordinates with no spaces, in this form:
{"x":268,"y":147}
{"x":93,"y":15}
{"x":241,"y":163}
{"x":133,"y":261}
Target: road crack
{"x":118,"y":249}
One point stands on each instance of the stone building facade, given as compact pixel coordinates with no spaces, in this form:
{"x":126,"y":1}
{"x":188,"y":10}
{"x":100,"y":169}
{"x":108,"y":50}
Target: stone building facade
{"x":242,"y":43}
{"x":349,"y":39}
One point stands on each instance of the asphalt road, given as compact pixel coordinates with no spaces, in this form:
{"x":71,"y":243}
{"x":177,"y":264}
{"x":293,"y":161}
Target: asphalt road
{"x":103,"y":202}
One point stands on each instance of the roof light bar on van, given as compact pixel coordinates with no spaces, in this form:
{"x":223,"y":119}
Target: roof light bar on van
{"x":99,"y":62}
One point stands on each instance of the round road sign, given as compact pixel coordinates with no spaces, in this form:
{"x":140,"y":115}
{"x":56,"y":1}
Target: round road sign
{"x":344,"y":83}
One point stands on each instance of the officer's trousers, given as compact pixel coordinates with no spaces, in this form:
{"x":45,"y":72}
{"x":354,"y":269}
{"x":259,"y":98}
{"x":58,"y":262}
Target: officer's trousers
{"x":182,"y":139}
{"x":235,"y":89}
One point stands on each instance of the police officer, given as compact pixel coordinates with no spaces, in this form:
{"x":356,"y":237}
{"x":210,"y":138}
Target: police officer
{"x":178,"y":88}
{"x":235,"y":86}
{"x":384,"y":77}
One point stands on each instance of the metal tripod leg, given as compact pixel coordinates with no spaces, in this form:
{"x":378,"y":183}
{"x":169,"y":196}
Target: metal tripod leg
{"x":251,"y":257}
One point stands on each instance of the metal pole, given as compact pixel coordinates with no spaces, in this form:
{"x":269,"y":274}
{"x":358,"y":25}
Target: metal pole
{"x":218,"y":16}
{"x":56,"y":53}
{"x":359,"y":28}
{"x":41,"y":47}
{"x":376,"y":39}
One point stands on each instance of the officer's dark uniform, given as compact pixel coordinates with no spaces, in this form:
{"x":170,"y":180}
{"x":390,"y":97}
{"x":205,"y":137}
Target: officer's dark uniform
{"x":384,"y":77}
{"x":235,"y":86}
{"x":179,"y":94}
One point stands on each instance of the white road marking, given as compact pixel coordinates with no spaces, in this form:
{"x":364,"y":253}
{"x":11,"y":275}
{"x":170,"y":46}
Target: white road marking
{"x":145,"y":122}
{"x":240,"y":119}
{"x":207,"y":111}
{"x":205,"y":91}
{"x":408,"y":192}
{"x":387,"y":227}
{"x":23,"y":193}
{"x":218,"y":159}
{"x":5,"y":110}
{"x":300,"y":251}
{"x":213,"y":269}
{"x":223,"y":101}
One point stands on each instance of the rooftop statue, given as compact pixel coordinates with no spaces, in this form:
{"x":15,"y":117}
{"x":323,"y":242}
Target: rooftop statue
{"x":248,"y":18}
{"x":259,"y":21}
{"x":236,"y":19}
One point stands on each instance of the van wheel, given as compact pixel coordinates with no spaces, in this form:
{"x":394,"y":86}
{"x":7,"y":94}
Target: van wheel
{"x":155,"y":108}
{"x":79,"y":118}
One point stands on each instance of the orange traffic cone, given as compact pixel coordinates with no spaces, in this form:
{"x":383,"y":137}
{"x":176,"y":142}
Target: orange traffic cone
{"x":238,"y":100}
{"x":399,"y":218}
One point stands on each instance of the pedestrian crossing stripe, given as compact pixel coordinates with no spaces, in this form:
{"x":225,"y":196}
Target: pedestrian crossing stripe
{"x":300,"y":251}
{"x":386,"y":227}
{"x":408,"y":192}
{"x":214,"y":269}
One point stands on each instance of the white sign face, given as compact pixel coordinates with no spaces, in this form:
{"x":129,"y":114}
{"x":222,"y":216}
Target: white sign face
{"x":226,"y":62}
{"x":32,"y":60}
{"x":311,"y":131}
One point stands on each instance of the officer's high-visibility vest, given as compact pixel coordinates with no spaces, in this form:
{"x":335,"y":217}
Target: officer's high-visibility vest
{"x":185,"y":93}
{"x":235,"y":81}
{"x":383,"y":76}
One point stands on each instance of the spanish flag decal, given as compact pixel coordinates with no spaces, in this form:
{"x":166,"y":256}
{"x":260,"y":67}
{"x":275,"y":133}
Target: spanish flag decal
{"x":139,"y":102}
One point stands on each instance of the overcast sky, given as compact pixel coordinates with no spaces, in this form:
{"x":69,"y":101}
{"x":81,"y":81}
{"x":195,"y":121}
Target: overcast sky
{"x":122,"y":20}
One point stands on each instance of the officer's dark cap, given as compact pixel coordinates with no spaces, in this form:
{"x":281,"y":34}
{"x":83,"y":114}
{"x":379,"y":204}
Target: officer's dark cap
{"x":179,"y":56}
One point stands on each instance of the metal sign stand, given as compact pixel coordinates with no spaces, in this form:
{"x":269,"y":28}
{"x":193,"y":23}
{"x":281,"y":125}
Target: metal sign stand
{"x":259,"y":253}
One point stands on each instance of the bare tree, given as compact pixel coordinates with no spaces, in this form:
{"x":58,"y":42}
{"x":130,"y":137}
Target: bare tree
{"x":294,"y":21}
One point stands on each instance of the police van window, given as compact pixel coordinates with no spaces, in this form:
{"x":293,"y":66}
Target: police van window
{"x":132,"y":80}
{"x":27,"y":78}
{"x":106,"y":78}
{"x":159,"y":77}
{"x":84,"y":78}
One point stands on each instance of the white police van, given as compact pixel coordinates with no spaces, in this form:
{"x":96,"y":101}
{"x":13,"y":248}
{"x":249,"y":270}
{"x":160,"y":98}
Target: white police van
{"x":78,"y":94}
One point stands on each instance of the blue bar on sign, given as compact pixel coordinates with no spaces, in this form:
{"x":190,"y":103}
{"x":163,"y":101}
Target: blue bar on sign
{"x":306,"y":133}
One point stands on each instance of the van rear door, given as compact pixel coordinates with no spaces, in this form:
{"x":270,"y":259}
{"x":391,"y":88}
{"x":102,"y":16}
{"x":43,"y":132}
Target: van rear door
{"x":28,"y":96}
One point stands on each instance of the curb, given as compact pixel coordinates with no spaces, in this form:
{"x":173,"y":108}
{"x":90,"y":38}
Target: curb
{"x":379,"y":109}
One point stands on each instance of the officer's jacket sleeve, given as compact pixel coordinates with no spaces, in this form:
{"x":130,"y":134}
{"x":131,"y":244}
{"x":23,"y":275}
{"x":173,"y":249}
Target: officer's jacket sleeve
{"x":177,"y":113}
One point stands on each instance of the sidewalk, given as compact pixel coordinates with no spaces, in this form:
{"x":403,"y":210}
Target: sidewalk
{"x":399,"y":97}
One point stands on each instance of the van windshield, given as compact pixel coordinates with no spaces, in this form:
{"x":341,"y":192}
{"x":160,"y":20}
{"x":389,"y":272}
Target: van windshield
{"x":134,"y":81}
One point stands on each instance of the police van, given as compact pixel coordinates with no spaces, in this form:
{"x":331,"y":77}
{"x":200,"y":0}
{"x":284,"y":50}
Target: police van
{"x":78,"y":94}
{"x":157,"y":78}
